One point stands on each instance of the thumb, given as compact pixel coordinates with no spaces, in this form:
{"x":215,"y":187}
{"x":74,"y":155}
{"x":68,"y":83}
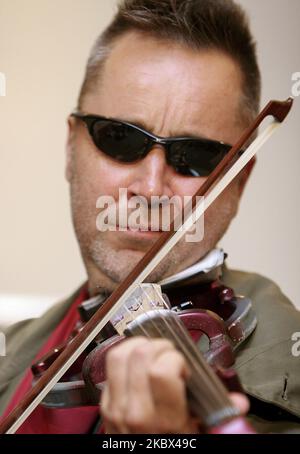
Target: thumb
{"x":241,"y":402}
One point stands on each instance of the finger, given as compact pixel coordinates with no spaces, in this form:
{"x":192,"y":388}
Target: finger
{"x":141,"y":416}
{"x":110,"y":427}
{"x":167,"y":377}
{"x":119,"y":393}
{"x":157,"y":391}
{"x":114,"y":399}
{"x":241,"y":402}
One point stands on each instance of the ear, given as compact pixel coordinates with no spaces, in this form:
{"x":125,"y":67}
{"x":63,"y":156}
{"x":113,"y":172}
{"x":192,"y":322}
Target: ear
{"x":71,"y":123}
{"x":245,"y":174}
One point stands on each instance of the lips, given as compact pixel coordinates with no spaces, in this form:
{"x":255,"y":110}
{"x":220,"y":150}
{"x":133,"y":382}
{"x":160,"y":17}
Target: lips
{"x":138,"y":229}
{"x":143,"y":219}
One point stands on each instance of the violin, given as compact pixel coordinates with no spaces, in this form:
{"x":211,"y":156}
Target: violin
{"x":217,"y":320}
{"x":215,"y":410}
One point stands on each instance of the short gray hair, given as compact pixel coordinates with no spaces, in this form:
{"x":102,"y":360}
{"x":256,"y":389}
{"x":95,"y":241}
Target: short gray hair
{"x":198,"y":24}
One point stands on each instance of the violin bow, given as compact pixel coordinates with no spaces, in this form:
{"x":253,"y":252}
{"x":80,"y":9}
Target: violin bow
{"x":217,"y":181}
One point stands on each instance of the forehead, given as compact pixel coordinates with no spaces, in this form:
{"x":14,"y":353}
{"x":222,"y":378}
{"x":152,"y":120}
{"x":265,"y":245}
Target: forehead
{"x":162,"y":83}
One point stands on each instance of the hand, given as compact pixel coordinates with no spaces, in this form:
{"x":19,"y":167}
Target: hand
{"x":146,"y":390}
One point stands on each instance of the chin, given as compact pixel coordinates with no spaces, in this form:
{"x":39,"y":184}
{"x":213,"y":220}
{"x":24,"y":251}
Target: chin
{"x":112,"y":263}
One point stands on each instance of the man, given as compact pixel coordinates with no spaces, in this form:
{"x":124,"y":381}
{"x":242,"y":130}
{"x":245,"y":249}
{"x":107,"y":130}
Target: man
{"x":184,"y":68}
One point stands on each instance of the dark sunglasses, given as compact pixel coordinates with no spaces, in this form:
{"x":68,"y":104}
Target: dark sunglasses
{"x":128,"y":143}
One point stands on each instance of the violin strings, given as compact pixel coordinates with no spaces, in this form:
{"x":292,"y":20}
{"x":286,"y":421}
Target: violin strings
{"x":198,"y":381}
{"x":200,"y":369}
{"x":198,"y":361}
{"x":188,"y":345}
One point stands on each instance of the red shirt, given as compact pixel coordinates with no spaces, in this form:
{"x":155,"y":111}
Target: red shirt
{"x":44,"y":420}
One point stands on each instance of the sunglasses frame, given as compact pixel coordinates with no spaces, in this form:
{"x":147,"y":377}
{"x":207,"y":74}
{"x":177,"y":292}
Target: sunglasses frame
{"x":172,"y":159}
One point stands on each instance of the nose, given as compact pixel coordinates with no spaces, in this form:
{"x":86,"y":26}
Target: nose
{"x":151,"y":177}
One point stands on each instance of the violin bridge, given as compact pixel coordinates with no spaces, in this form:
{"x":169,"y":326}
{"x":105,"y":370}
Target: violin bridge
{"x":144,"y":298}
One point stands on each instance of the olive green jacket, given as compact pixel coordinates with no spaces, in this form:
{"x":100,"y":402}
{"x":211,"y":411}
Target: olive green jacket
{"x":268,"y":371}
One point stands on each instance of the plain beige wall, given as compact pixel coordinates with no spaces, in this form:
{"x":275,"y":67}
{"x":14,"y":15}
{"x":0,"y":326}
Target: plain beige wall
{"x":43,"y":49}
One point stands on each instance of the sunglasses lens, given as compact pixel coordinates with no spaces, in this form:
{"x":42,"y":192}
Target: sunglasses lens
{"x":197,"y":158}
{"x":121,"y":142}
{"x":127,"y":143}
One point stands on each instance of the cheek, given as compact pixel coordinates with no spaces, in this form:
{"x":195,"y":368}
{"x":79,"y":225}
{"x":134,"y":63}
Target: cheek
{"x":96,"y":174}
{"x":183,"y":186}
{"x":224,"y":208}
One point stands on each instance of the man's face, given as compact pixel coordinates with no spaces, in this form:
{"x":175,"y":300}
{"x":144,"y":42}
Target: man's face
{"x":170,"y":91}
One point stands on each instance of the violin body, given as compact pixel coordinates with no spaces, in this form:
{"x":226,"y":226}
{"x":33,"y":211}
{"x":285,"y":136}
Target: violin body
{"x":216,"y":333}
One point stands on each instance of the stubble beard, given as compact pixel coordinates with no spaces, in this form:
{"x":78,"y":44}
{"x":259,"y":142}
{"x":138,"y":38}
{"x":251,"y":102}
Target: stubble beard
{"x":107,"y":266}
{"x":118,"y":263}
